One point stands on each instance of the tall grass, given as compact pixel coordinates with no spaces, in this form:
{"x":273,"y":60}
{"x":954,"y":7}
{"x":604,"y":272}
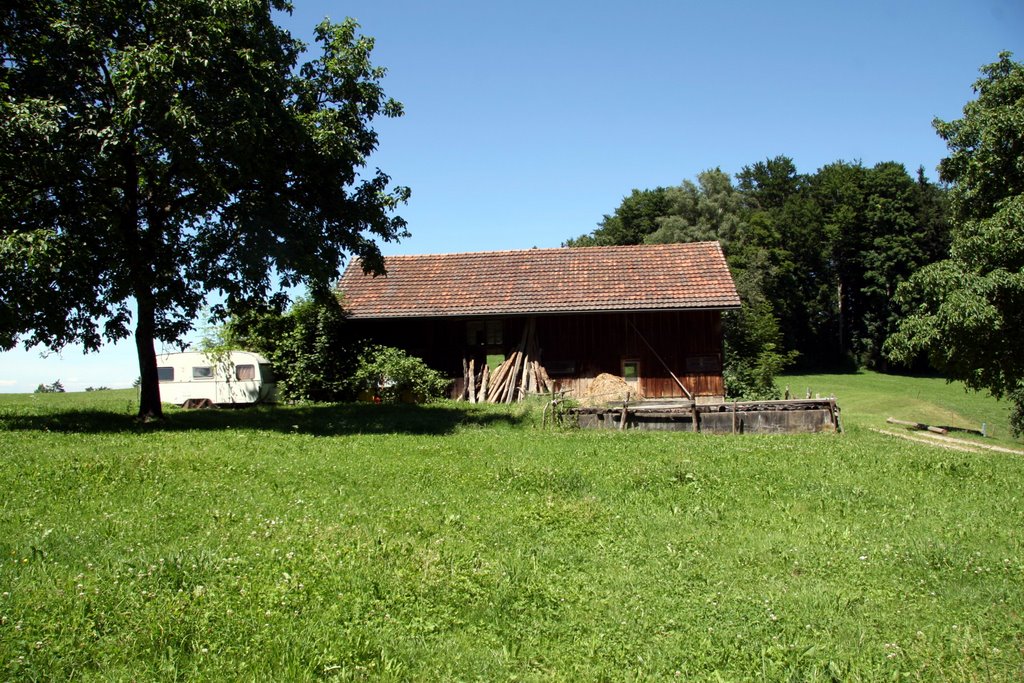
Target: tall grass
{"x":462,"y":542}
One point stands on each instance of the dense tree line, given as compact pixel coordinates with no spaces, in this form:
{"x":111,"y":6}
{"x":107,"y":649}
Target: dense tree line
{"x":817,"y":257}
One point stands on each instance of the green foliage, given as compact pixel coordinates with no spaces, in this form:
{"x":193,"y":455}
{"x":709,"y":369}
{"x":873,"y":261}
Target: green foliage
{"x":753,"y":351}
{"x":823,"y":255}
{"x":55,"y":388}
{"x":967,"y":312}
{"x":172,"y":149}
{"x":391,"y":375}
{"x":711,"y":209}
{"x":634,"y":219}
{"x":459,"y":542}
{"x":308,"y":346}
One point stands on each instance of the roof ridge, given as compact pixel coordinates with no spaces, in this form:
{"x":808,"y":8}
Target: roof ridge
{"x":535,"y":250}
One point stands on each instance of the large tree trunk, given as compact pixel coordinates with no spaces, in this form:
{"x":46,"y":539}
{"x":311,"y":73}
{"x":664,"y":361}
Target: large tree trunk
{"x":140,"y":256}
{"x":149,"y":388}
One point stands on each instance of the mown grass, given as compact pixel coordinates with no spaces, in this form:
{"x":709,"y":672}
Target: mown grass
{"x":455,"y":542}
{"x":868,"y":398}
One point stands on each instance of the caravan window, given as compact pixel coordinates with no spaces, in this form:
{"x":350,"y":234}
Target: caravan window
{"x":202,"y":372}
{"x":245,"y":372}
{"x":165,"y":374}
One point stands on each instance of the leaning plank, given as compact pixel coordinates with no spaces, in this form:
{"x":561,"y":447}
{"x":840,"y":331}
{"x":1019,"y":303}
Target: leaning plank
{"x":483,"y":382}
{"x":465,"y":373}
{"x":498,"y":381}
{"x":918,"y":425}
{"x":513,"y":378}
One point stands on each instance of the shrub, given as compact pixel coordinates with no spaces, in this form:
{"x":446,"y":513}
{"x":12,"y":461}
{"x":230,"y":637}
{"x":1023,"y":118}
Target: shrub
{"x":392,"y":374}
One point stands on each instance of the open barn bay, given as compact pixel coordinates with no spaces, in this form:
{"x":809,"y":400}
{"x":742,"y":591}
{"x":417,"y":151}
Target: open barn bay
{"x":464,"y":542}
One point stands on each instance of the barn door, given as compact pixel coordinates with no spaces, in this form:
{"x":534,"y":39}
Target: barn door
{"x":631,"y":373}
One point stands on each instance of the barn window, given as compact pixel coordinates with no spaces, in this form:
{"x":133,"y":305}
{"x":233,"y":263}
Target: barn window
{"x":631,"y":370}
{"x":495,"y":333}
{"x":245,"y":373}
{"x":485,"y":333}
{"x":202,"y":372}
{"x":165,"y":374}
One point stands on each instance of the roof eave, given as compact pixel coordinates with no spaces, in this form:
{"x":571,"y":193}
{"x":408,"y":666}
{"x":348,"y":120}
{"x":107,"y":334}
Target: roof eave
{"x":524,"y":314}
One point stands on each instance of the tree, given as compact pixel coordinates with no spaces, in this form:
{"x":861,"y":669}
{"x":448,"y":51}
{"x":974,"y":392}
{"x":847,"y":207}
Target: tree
{"x":710,"y":209}
{"x":635,"y":218}
{"x":155,"y":152}
{"x":967,"y":311}
{"x":309,"y":346}
{"x":55,"y":388}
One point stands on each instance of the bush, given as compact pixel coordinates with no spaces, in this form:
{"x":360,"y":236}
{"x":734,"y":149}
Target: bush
{"x":308,"y":345}
{"x":392,"y":374}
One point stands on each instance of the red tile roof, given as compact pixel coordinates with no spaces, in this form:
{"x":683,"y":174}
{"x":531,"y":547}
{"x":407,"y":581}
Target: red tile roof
{"x":578,"y":280}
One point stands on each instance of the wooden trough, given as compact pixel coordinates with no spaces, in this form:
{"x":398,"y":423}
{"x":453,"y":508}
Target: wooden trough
{"x":738,"y":417}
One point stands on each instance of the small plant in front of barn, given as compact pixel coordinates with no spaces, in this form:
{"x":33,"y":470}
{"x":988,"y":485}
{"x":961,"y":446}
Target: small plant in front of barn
{"x":391,"y":374}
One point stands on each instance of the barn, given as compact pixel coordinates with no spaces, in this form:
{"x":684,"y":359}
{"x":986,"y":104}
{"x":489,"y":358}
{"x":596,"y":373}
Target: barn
{"x":651,"y":314}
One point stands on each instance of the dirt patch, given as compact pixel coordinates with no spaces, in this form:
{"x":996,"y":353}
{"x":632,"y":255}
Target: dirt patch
{"x":606,"y":388}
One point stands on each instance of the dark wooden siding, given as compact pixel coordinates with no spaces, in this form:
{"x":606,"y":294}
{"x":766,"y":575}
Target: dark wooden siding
{"x":575,"y":348}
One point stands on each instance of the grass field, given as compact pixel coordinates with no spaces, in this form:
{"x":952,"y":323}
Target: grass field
{"x":455,"y":542}
{"x":868,"y":398}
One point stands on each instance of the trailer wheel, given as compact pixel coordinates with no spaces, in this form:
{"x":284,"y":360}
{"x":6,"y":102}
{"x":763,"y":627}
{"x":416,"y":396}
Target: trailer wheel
{"x":197,"y":404}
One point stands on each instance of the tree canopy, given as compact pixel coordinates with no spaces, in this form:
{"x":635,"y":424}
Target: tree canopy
{"x":153,"y":153}
{"x":816,"y":257}
{"x":967,"y":311}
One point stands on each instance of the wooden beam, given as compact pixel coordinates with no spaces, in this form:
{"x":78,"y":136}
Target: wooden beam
{"x":661,"y":360}
{"x":918,"y":425}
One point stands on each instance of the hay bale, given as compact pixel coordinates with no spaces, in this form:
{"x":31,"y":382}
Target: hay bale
{"x":606,"y":388}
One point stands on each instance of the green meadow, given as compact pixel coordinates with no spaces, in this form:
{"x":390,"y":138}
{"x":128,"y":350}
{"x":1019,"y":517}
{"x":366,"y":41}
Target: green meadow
{"x":459,"y":542}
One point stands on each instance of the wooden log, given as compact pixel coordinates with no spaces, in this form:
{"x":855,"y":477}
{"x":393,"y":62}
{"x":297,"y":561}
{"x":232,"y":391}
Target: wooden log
{"x":465,"y":371}
{"x":497,"y":381}
{"x":471,"y":377}
{"x":513,"y":378}
{"x":546,"y":378}
{"x":483,"y":382}
{"x":527,"y":345}
{"x":918,"y":425}
{"x":524,"y":379}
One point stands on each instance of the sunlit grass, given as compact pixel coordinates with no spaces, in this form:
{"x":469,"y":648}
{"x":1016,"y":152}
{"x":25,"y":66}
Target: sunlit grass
{"x":868,"y":398}
{"x":453,"y":542}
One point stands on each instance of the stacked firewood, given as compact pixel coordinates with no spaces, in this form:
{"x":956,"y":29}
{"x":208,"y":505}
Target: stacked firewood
{"x":519,"y":376}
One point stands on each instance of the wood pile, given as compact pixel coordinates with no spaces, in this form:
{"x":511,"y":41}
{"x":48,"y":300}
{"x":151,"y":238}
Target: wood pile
{"x":520,"y":375}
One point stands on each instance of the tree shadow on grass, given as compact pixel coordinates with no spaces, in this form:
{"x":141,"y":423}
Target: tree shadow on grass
{"x":316,"y":420}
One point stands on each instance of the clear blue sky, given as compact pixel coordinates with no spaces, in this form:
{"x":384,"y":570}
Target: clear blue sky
{"x":526,"y":122}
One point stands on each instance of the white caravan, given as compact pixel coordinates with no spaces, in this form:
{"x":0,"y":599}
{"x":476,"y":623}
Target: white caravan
{"x":237,"y":378}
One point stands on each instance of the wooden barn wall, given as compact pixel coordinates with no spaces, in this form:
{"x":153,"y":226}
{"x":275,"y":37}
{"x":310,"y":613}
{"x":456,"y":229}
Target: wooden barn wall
{"x":576,"y":348}
{"x":600,"y":343}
